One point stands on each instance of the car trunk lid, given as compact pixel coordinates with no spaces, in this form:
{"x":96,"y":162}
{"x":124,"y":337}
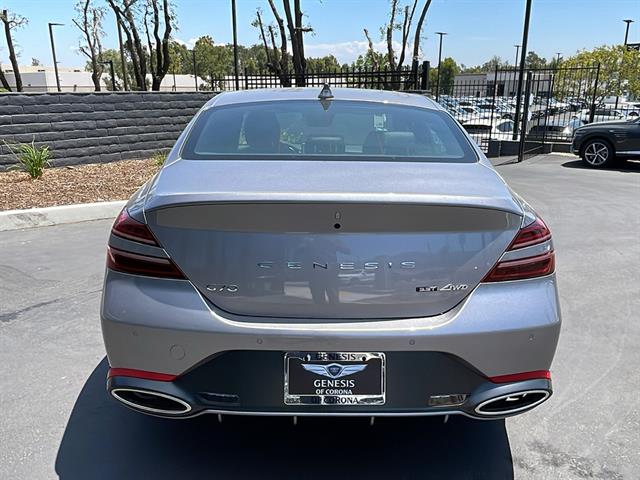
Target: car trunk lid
{"x":413,"y":244}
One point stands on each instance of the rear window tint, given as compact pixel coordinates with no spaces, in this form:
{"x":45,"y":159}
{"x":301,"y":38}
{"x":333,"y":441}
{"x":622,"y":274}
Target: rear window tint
{"x":294,"y":129}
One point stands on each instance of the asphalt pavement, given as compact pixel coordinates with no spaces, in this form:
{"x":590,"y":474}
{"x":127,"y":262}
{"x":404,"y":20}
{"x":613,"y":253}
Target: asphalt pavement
{"x":56,"y":419}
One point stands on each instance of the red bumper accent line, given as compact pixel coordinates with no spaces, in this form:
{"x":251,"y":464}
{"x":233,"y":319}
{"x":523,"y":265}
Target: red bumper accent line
{"x":518,"y":377}
{"x":130,"y":372}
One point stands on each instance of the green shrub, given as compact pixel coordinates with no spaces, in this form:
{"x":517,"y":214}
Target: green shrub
{"x":159,"y":158}
{"x":32,"y":159}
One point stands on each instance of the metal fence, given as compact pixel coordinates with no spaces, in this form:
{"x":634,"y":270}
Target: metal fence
{"x":554,"y":102}
{"x":404,"y":79}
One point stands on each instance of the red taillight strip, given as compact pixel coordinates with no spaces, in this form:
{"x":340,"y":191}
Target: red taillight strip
{"x":136,"y":264}
{"x":531,"y":267}
{"x":532,"y":234}
{"x":130,"y":372}
{"x":127,"y":227}
{"x":519,"y":377}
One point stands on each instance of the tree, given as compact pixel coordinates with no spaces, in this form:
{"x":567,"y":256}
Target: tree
{"x":296,"y":36}
{"x":114,"y":56}
{"x":35,"y":62}
{"x":127,"y":13}
{"x":396,"y":62}
{"x":619,"y":70}
{"x":212,"y":61}
{"x":181,"y":60}
{"x":372,"y":59}
{"x":278,"y":59}
{"x":253,"y":59}
{"x":448,"y":72}
{"x":12,"y":22}
{"x":89,"y":22}
{"x":159,"y":57}
{"x":533,"y":60}
{"x":488,"y":66}
{"x":328,"y":63}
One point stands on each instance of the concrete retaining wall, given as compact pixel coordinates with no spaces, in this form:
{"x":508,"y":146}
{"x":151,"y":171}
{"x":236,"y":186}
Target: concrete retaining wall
{"x":96,"y":127}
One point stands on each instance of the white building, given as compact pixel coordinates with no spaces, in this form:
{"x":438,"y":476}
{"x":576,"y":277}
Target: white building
{"x":76,"y":79}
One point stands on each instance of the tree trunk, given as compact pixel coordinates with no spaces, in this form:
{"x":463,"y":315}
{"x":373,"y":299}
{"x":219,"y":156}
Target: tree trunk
{"x":281,"y":66}
{"x":95,"y":75}
{"x":12,"y":52}
{"x":4,"y":82}
{"x":133,"y":44}
{"x":295,"y":34}
{"x":416,"y":38}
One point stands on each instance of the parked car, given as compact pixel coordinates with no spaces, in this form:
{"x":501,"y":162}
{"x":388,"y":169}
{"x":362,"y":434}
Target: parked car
{"x":601,"y":114}
{"x":559,"y":129}
{"x":600,"y":144}
{"x":457,"y":312}
{"x":483,"y":129}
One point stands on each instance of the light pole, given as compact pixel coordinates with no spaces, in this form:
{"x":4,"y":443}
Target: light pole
{"x":53,"y":51}
{"x":523,"y":54}
{"x":442,"y":34}
{"x":125,"y":82}
{"x":558,"y":58}
{"x":517,"y":51}
{"x":113,"y":75}
{"x":235,"y":44}
{"x":628,"y":21}
{"x":195,"y":68}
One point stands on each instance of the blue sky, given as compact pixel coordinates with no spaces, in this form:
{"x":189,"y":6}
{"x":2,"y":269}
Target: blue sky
{"x":478,"y":29}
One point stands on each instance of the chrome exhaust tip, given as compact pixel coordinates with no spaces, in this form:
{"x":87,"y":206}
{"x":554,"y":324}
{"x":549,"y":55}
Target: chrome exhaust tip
{"x":150,"y":401}
{"x":512,"y":403}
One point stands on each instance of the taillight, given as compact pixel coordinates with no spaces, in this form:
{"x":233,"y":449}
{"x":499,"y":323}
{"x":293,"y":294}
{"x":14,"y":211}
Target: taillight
{"x":127,"y":227}
{"x":523,"y":267}
{"x":532,"y":234}
{"x":137,"y":263}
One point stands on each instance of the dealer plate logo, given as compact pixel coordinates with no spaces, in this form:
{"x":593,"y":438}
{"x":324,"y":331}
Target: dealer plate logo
{"x":334,"y":370}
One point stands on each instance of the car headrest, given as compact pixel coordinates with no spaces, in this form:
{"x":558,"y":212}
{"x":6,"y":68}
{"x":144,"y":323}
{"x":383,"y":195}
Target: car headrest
{"x":398,"y":143}
{"x":324,"y":144}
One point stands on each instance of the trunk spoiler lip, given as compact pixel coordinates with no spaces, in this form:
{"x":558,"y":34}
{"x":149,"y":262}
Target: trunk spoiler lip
{"x":159,"y":202}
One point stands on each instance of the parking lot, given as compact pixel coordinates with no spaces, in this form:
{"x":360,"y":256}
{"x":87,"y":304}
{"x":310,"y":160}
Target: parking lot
{"x":57,"y":419}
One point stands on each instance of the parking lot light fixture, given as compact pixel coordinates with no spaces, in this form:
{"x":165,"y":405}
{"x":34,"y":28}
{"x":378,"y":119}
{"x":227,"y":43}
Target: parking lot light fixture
{"x":53,"y":52}
{"x":442,"y":34}
{"x":628,"y":21}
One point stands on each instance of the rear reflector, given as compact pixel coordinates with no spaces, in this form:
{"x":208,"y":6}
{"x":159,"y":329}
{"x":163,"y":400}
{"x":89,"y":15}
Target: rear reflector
{"x":127,"y":227}
{"x":130,"y":372}
{"x":535,"y":233}
{"x":519,"y":377}
{"x":136,"y":264}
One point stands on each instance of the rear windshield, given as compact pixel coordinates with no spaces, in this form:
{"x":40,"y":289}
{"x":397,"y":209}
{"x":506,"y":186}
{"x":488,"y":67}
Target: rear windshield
{"x":337,"y":130}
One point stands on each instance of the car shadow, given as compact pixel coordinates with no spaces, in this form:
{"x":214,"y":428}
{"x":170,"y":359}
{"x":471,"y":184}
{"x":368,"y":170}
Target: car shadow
{"x":628,"y":166}
{"x":103,"y":439}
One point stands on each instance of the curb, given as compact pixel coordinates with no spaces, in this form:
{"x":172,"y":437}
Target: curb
{"x":42,"y":217}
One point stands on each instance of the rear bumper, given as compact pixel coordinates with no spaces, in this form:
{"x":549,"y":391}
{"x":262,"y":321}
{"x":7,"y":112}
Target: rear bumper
{"x":252,"y":382}
{"x":159,"y":325}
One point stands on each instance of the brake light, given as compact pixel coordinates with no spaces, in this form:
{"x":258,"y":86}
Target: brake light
{"x":127,"y":227}
{"x":138,"y":263}
{"x":532,"y":234}
{"x":127,"y":262}
{"x":524,"y":267}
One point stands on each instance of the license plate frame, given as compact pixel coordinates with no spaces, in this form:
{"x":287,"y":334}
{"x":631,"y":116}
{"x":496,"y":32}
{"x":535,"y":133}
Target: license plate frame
{"x":359,"y":386}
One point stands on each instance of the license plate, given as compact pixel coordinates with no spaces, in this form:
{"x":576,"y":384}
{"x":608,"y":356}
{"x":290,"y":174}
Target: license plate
{"x":334,"y":378}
